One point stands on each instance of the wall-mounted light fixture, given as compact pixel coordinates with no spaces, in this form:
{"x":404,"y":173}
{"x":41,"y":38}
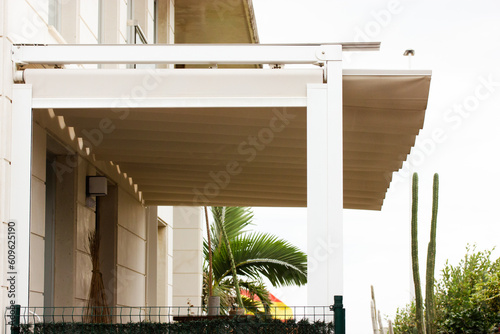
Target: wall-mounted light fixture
{"x":97,"y":186}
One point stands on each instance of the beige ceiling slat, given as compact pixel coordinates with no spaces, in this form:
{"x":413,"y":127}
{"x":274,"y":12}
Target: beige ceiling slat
{"x":188,"y":169}
{"x":214,"y":160}
{"x":231,"y":189}
{"x":356,"y":155}
{"x":194,"y":181}
{"x":376,"y":147}
{"x":386,"y":118}
{"x":263,"y":196}
{"x":363,"y":185}
{"x":225,"y":153}
{"x":372,"y":164}
{"x":402,"y":130}
{"x":386,"y":139}
{"x":364,"y":194}
{"x":228,"y":201}
{"x":357,"y":206}
{"x":369,"y":201}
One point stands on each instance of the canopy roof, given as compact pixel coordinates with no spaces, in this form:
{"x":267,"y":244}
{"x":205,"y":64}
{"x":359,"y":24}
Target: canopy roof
{"x":237,"y":137}
{"x":222,"y":21}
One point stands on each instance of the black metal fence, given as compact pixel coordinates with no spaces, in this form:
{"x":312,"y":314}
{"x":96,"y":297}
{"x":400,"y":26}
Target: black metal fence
{"x":184,"y":319}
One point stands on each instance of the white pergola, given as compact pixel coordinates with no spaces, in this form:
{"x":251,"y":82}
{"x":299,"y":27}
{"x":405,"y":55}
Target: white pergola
{"x":323,"y":137}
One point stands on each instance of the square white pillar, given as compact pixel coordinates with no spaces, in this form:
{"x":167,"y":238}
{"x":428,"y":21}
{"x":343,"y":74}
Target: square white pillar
{"x":20,"y":201}
{"x":325,"y":188}
{"x":187,"y":256}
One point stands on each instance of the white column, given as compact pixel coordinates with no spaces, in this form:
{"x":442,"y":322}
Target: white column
{"x":20,"y":202}
{"x":188,"y":256}
{"x":325,"y":188}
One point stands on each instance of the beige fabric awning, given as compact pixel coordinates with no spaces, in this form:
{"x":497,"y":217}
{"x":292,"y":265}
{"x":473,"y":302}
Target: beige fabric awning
{"x":186,"y":155}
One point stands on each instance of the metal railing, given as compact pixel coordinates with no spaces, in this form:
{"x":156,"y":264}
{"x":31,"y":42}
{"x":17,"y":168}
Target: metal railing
{"x":19,"y":317}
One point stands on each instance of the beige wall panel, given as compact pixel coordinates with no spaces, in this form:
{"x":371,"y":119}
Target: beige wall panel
{"x":36,"y":300}
{"x":131,"y":214}
{"x":111,"y":25}
{"x":37,"y":265}
{"x":86,"y":35}
{"x":2,"y":22}
{"x":166,"y":214}
{"x":83,"y":275}
{"x":82,"y":181}
{"x":187,"y":285}
{"x":170,"y":240}
{"x":183,"y":301}
{"x":39,"y":152}
{"x":6,"y":63}
{"x":65,"y":239}
{"x":84,"y":169}
{"x":41,"y":7}
{"x":131,"y":288}
{"x":131,"y":251}
{"x":70,"y":21}
{"x":170,"y":295}
{"x":4,"y":193}
{"x":188,"y":262}
{"x":187,"y":239}
{"x":151,"y":21}
{"x":37,"y":207}
{"x":171,"y":17}
{"x":30,"y":25}
{"x":5,"y":128}
{"x":85,"y":223}
{"x":162,"y":260}
{"x":141,"y":14}
{"x":170,"y":270}
{"x":123,"y":20}
{"x":89,"y":13}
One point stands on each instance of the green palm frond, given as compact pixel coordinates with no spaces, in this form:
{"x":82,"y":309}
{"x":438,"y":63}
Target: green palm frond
{"x":262,"y":254}
{"x":256,"y":255}
{"x":259,"y":289}
{"x":235,"y":220}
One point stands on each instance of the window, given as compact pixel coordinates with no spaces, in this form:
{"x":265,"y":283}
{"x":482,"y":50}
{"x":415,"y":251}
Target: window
{"x":55,"y":14}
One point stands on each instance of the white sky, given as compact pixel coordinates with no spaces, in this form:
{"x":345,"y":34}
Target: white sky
{"x":460,"y":42}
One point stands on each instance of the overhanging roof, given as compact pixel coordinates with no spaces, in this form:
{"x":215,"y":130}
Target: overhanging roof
{"x":177,"y":141}
{"x":222,"y":21}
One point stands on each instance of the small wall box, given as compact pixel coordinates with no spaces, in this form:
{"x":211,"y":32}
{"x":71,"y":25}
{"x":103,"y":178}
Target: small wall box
{"x":97,"y":185}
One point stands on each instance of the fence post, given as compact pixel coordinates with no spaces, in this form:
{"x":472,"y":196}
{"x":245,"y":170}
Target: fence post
{"x":15,"y":319}
{"x":338,"y":315}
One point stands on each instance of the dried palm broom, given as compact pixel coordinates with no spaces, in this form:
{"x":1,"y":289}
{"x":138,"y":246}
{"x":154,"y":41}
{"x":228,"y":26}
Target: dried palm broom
{"x":97,"y":310}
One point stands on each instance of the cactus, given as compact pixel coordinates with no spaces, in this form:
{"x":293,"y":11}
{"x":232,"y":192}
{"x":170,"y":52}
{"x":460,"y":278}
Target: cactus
{"x":376,"y":330}
{"x":378,"y":327}
{"x":414,"y":257}
{"x":430,"y":307}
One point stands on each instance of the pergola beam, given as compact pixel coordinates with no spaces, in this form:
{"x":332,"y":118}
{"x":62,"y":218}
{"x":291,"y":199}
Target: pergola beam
{"x":250,"y":54}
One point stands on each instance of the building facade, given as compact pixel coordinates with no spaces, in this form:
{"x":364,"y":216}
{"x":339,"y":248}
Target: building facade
{"x":150,"y":256}
{"x":172,"y":128}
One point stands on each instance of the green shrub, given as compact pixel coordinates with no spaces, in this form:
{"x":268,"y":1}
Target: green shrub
{"x":467,"y":297}
{"x":236,"y":325}
{"x":405,"y":321}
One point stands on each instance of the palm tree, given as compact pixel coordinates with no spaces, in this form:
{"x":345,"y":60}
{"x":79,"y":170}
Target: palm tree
{"x":244,"y":258}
